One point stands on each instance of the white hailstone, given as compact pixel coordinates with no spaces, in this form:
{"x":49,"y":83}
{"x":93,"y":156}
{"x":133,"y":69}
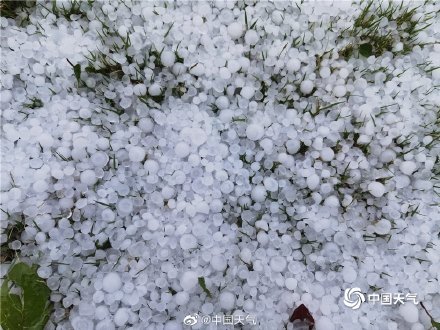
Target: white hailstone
{"x":376,"y":189}
{"x":227,"y":300}
{"x":188,"y":280}
{"x":188,"y":241}
{"x":331,"y":201}
{"x":382,"y":227}
{"x":45,"y":140}
{"x":293,"y":146}
{"x":5,"y":96}
{"x":409,"y":312}
{"x":278,"y":263}
{"x":408,"y":167}
{"x":40,"y":186}
{"x":349,"y":274}
{"x":140,"y":90}
{"x":324,"y":323}
{"x":224,"y":73}
{"x":258,"y":193}
{"x":327,"y":154}
{"x":151,"y":166}
{"x":181,"y":149}
{"x":181,"y":298}
{"x":167,"y":58}
{"x":108,"y":215}
{"x":173,"y":325}
{"x":99,"y":159}
{"x":146,"y":125}
{"x":219,"y":263}
{"x":155,"y":90}
{"x":339,"y":91}
{"x":293,"y":65}
{"x":255,"y":132}
{"x":111,"y":282}
{"x":136,"y":154}
{"x":153,"y":224}
{"x":247,"y":92}
{"x":306,"y":86}
{"x":88,"y":177}
{"x":251,"y":37}
{"x":124,"y":206}
{"x":387,"y":156}
{"x":198,"y":69}
{"x":402,"y":181}
{"x":38,"y":68}
{"x":121,"y":317}
{"x":167,"y":192}
{"x":235,"y":30}
{"x":291,"y":283}
{"x":365,"y":111}
{"x":270,"y":184}
{"x":222,"y":102}
{"x":313,"y":181}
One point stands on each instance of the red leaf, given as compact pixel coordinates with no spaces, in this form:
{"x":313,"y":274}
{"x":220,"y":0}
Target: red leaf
{"x":302,"y":313}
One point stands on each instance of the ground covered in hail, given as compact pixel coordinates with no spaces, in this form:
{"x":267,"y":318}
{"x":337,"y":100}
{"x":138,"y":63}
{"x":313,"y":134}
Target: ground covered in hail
{"x":168,"y":165}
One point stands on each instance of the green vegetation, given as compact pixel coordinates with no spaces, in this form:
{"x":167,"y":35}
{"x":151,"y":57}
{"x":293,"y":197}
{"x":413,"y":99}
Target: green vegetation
{"x":379,"y":27}
{"x":24,"y":300}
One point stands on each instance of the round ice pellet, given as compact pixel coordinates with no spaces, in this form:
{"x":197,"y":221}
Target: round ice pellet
{"x":324,"y":323}
{"x":167,"y":58}
{"x":270,"y":184}
{"x":227,"y":300}
{"x":181,"y":149}
{"x":254,"y":132}
{"x":40,"y":186}
{"x":218,"y":263}
{"x":376,"y":189}
{"x":291,"y":283}
{"x":99,"y":159}
{"x":188,"y":280}
{"x":111,"y":282}
{"x":349,"y":274}
{"x":382,"y":227}
{"x":125,"y":206}
{"x":327,"y":154}
{"x":409,"y":312}
{"x":45,"y":140}
{"x":293,"y":65}
{"x":155,"y":90}
{"x":173,"y":325}
{"x":306,"y":87}
{"x":188,"y":241}
{"x":88,"y":177}
{"x":251,"y":37}
{"x":407,"y":167}
{"x":235,"y":30}
{"x":258,"y":193}
{"x":247,"y":92}
{"x":222,"y":102}
{"x":136,"y":154}
{"x":278,"y":263}
{"x":339,"y":91}
{"x":121,"y":317}
{"x":313,"y":181}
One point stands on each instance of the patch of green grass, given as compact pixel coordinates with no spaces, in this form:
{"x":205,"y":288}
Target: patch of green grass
{"x":34,"y":103}
{"x":13,"y":233}
{"x":203,"y":286}
{"x":379,"y":27}
{"x":10,"y":9}
{"x":24,"y":298}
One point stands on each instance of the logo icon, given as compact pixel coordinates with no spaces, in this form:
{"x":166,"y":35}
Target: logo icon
{"x":353,"y":298}
{"x":190,"y":319}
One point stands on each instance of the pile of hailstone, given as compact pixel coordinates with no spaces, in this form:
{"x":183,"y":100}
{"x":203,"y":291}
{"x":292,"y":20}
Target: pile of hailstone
{"x":146,"y":145}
